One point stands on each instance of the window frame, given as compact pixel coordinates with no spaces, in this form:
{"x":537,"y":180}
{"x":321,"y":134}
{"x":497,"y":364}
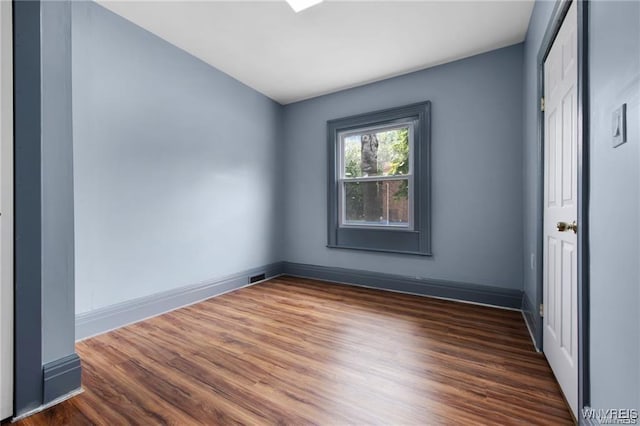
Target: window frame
{"x":342,"y":179}
{"x":413,"y":239}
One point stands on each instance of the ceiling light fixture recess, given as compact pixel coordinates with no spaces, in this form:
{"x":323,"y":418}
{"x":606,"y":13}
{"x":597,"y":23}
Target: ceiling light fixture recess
{"x":300,"y":5}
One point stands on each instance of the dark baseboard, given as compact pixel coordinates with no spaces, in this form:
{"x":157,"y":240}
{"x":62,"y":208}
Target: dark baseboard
{"x":115,"y":316}
{"x":496,"y":296}
{"x":532,"y":317}
{"x":61,"y":377}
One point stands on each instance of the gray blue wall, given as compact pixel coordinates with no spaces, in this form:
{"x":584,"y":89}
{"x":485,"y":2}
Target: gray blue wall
{"x":176,"y":166}
{"x":615,"y":206}
{"x":476,"y":171}
{"x":530,"y":160}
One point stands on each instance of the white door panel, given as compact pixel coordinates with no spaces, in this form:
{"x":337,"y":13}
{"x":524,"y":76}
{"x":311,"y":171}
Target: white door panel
{"x":560,"y":205}
{"x":6,"y":210}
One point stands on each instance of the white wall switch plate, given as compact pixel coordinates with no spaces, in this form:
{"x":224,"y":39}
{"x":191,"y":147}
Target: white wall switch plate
{"x":619,"y":126}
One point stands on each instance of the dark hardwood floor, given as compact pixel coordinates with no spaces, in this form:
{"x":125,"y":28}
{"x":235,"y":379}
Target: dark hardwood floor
{"x":297,"y":351}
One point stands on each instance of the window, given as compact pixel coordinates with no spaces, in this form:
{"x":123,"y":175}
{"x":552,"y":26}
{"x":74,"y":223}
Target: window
{"x":375,"y":176}
{"x":378,"y":187}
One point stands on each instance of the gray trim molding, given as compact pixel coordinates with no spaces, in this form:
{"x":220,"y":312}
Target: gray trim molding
{"x":497,"y":296}
{"x":111,"y":317}
{"x":43,"y":209}
{"x":27,"y":207}
{"x":61,"y":377}
{"x":584,"y":360}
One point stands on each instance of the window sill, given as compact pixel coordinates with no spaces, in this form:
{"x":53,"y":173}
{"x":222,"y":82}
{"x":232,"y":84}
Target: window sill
{"x":412,"y":253}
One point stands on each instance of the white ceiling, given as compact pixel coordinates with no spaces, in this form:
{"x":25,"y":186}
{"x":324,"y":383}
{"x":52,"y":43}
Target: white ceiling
{"x":332,"y":46}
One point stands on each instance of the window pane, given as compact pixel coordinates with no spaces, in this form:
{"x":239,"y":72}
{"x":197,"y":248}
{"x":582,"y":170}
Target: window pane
{"x":377,"y":153}
{"x":382,"y":203}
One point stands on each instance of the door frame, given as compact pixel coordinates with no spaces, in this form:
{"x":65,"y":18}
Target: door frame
{"x":557,"y":18}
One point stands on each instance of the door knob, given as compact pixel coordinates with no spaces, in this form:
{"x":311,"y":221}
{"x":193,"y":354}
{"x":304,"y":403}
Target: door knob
{"x":565,"y":227}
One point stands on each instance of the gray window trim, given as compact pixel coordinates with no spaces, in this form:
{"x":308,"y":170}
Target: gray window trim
{"x":414,"y":240}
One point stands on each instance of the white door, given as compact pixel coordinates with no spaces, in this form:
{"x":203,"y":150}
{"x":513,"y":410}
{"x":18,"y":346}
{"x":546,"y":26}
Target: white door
{"x":6,"y":212}
{"x":560,"y":266}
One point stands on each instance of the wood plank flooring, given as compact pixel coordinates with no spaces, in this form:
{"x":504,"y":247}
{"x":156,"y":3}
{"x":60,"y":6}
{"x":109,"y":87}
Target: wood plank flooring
{"x":300,"y":352}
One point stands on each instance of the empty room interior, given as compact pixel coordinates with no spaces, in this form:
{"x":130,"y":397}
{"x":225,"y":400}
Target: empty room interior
{"x":319,"y":212}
